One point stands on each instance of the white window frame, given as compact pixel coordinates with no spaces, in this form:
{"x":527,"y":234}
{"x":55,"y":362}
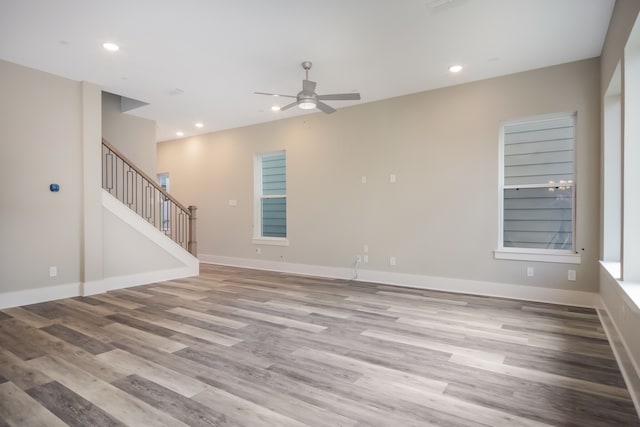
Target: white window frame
{"x":565,"y":256}
{"x":258,"y":239}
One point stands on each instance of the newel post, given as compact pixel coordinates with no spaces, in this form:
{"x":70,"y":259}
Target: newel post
{"x":193,"y":242}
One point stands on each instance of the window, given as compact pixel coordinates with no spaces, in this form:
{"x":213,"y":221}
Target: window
{"x":165,"y":206}
{"x":630,"y":160}
{"x":612,"y":176}
{"x":270,"y":199}
{"x":537,"y":190}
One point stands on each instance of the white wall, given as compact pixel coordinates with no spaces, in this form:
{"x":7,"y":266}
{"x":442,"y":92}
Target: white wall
{"x":623,"y":312}
{"x":133,"y":136}
{"x":51,"y":134}
{"x":41,"y":143}
{"x":135,"y":253}
{"x":439,"y":219}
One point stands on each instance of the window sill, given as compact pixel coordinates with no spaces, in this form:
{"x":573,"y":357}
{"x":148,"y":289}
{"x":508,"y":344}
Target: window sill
{"x":613,"y":267}
{"x":561,"y":257}
{"x":271,"y":241}
{"x":631,"y":290}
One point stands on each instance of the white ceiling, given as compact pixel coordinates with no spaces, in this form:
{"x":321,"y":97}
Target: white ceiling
{"x":201,"y":60}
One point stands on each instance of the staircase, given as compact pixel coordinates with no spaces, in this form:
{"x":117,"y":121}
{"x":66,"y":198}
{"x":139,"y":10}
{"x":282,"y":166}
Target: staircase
{"x":143,"y":195}
{"x":148,"y":236}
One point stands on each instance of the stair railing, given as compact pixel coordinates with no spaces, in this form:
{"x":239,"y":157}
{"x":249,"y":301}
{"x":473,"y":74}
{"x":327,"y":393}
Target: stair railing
{"x":142,"y":194}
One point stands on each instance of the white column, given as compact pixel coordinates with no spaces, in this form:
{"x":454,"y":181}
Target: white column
{"x":92,"y":275}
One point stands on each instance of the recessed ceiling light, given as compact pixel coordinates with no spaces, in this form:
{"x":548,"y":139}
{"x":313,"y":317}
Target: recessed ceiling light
{"x":455,"y":68}
{"x":275,"y":108}
{"x":112,"y":47}
{"x":199,"y":125}
{"x":179,"y":133}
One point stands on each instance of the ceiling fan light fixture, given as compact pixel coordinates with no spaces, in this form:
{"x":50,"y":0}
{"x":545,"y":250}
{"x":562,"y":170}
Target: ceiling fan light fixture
{"x":111,"y":47}
{"x":307,"y":104}
{"x":455,"y":68}
{"x":275,"y":108}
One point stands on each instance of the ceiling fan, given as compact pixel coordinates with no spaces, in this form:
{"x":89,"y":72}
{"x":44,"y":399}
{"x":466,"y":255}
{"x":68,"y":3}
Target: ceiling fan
{"x":308,"y":99}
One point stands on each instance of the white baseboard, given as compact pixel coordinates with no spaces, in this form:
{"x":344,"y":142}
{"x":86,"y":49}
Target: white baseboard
{"x":626,"y":362}
{"x":92,"y":287}
{"x":445,"y":284}
{"x":37,"y":295}
{"x":70,"y":290}
{"x":138,"y":279}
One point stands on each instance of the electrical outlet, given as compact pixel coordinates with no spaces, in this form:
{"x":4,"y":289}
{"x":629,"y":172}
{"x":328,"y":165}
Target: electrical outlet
{"x":363,"y":179}
{"x":258,"y":251}
{"x":392,"y":178}
{"x":365,"y":249}
{"x":392,"y":260}
{"x":529,"y":271}
{"x":571,"y":275}
{"x":366,"y":259}
{"x":53,"y":271}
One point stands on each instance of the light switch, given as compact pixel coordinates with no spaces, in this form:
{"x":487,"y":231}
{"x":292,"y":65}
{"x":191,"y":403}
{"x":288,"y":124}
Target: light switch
{"x":233,"y":203}
{"x":392,"y":178}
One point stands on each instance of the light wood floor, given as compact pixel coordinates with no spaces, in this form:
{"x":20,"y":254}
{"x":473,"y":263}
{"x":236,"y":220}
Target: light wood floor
{"x":238,"y":347}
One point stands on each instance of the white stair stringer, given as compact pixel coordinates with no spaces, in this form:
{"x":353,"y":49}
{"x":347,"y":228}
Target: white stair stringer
{"x":136,"y":253}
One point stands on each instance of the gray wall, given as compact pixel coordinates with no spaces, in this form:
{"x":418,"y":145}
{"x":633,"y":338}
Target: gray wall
{"x":133,"y":136}
{"x":439,"y":219}
{"x":41,"y":122}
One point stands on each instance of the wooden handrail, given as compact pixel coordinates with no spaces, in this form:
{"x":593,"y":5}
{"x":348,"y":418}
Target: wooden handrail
{"x":145,"y":176}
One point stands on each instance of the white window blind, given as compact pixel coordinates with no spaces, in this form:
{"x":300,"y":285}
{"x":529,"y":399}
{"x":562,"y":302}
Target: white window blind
{"x":273,"y":195}
{"x":539,"y":186}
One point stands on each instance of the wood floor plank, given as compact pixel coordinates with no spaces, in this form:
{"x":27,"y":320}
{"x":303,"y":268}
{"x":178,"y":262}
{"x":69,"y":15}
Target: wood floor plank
{"x":27,"y":317}
{"x":190,"y":330}
{"x":208,"y":318}
{"x":131,"y":364}
{"x":244,"y":412}
{"x":70,"y":407}
{"x":438,"y":346}
{"x":157,"y":341}
{"x":13,"y":340}
{"x":264,"y":394}
{"x":19,"y":409}
{"x":439,"y":401}
{"x":189,"y":411}
{"x":545,"y":377}
{"x":371,"y":369}
{"x":117,"y":403}
{"x":78,"y":339}
{"x":19,"y":372}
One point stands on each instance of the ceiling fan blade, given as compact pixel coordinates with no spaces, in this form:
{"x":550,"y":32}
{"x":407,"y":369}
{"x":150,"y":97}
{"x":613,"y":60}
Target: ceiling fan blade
{"x":286,"y":107}
{"x":308,"y":86}
{"x":340,"y":97}
{"x":273,"y":94}
{"x":324,"y":107}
